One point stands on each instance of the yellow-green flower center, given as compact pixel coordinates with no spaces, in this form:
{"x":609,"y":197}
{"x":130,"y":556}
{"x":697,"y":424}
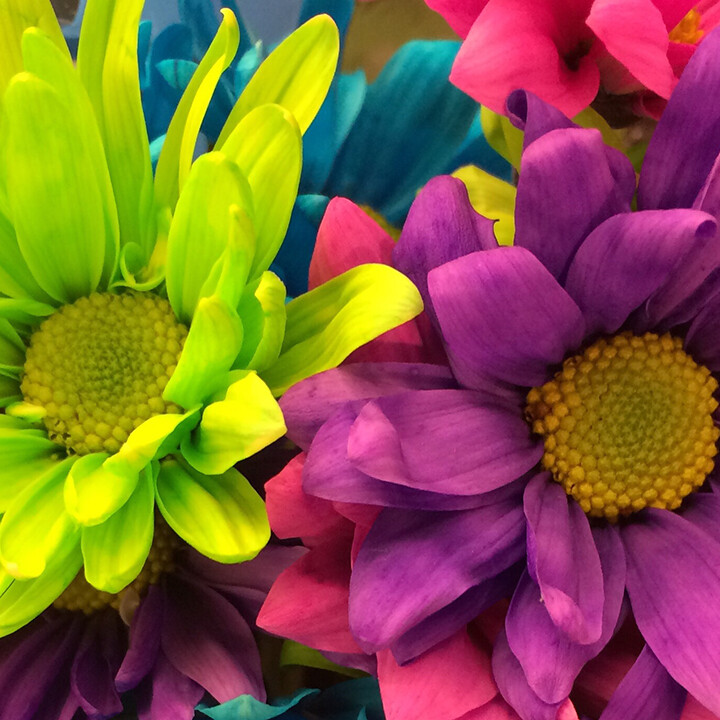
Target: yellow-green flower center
{"x":81,"y":596}
{"x":627,"y":424}
{"x":98,"y":368}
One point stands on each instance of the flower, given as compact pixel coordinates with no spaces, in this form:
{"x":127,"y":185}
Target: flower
{"x":567,"y":453}
{"x":190,"y":622}
{"x":566,"y":52}
{"x":116,"y":397}
{"x":375,"y":143}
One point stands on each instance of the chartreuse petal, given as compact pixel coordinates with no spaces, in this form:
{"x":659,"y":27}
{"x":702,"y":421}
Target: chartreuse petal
{"x":492,"y":197}
{"x":296,"y":75}
{"x":326,"y":324}
{"x":293,"y":653}
{"x":24,"y":311}
{"x":201,"y":229}
{"x":46,"y":61}
{"x":115,"y":551}
{"x":95,"y":488}
{"x":108,"y":65}
{"x":267,"y":146}
{"x":56,"y":204}
{"x":176,"y":156}
{"x":9,"y":391}
{"x":15,"y":17}
{"x":26,"y":455}
{"x":221,"y":516}
{"x":262,"y":309}
{"x":212,"y":344}
{"x":23,"y":600}
{"x":12,"y":349}
{"x":246,"y":420}
{"x":502,"y":136}
{"x":35,"y":525}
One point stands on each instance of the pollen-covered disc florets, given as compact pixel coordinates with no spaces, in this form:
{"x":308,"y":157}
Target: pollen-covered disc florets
{"x":98,"y":368}
{"x":628,"y":424}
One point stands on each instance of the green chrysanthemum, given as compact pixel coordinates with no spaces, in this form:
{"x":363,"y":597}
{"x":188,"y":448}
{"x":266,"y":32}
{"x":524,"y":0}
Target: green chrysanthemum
{"x":142,"y":338}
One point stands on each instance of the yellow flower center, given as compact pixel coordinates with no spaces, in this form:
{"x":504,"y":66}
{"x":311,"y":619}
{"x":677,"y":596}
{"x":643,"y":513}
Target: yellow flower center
{"x":81,"y":596}
{"x":688,"y":29}
{"x":98,"y":368}
{"x":627,"y":424}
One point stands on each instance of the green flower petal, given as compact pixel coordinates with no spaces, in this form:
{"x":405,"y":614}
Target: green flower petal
{"x":267,"y":146}
{"x":107,"y":63}
{"x":221,"y":516}
{"x":326,"y":324}
{"x":212,"y":344}
{"x":262,"y":309}
{"x":35,"y":525}
{"x":24,"y":311}
{"x":44,"y":60}
{"x":296,"y":75}
{"x":177,"y":152}
{"x":9,"y":391}
{"x":95,"y":488}
{"x":56,"y":204}
{"x":245,"y":421}
{"x":24,"y":600}
{"x":26,"y":455}
{"x":26,"y":411}
{"x":15,"y":17}
{"x":12,"y":348}
{"x":202,"y":227}
{"x":115,"y":551}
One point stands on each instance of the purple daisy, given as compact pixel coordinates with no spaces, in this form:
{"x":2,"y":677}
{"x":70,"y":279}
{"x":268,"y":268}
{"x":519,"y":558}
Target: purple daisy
{"x":183,"y":628}
{"x":567,"y":454}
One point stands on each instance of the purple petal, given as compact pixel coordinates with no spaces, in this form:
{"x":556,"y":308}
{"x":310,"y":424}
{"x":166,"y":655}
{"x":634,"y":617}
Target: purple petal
{"x":703,"y":510}
{"x":566,"y":189}
{"x":441,"y":226}
{"x":534,"y":116}
{"x":413,"y":564}
{"x":144,"y":640}
{"x":307,"y":405}
{"x":168,"y":694}
{"x":647,"y":691}
{"x":564,"y":559}
{"x":206,"y":638}
{"x":673,"y":574}
{"x":550,"y":660}
{"x":686,"y":141}
{"x":503,"y":317}
{"x":703,"y":338}
{"x":444,"y":441}
{"x":627,"y":258}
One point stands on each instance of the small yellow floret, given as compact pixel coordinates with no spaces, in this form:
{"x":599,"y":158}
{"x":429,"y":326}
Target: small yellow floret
{"x":628,"y":424}
{"x":688,"y":29}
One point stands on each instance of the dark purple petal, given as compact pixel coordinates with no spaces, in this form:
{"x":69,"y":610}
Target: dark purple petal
{"x":673,"y":575}
{"x":534,"y":116}
{"x":647,"y":691}
{"x":686,"y":141}
{"x":564,"y":560}
{"x":703,"y":338}
{"x":144,"y":640}
{"x":168,"y":694}
{"x":96,"y":663}
{"x":514,"y":687}
{"x":442,"y":624}
{"x":413,"y":564}
{"x":366,"y":663}
{"x":703,"y":510}
{"x":207,"y":639}
{"x":566,"y":189}
{"x":307,"y":405}
{"x":627,"y":258}
{"x":445,"y":441}
{"x":550,"y":660}
{"x":504,"y":318}
{"x":441,"y":226}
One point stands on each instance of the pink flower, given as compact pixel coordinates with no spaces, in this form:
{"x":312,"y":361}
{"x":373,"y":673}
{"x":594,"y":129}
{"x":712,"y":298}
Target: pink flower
{"x":566,"y":51}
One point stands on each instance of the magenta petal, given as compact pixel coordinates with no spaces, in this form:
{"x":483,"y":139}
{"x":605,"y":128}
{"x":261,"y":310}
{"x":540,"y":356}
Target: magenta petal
{"x":673,"y":568}
{"x":503,"y":317}
{"x":566,"y":189}
{"x":703,"y":510}
{"x":459,"y":15}
{"x":208,"y":640}
{"x":647,"y":691}
{"x":307,"y":405}
{"x":413,"y":564}
{"x":445,"y":441}
{"x":168,"y":694}
{"x":627,"y":258}
{"x":441,"y":226}
{"x":564,"y":560}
